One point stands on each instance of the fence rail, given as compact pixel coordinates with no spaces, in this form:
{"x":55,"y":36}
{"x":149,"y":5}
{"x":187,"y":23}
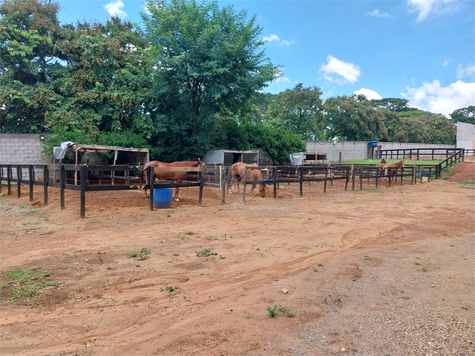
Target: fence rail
{"x":417,"y":153}
{"x":85,"y":178}
{"x":83,"y":181}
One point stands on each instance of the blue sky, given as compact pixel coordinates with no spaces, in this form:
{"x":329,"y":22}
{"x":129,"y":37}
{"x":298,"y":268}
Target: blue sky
{"x":420,"y":50}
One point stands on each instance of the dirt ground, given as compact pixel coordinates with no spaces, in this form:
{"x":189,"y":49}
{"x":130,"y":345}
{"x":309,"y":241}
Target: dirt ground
{"x":372,"y":272}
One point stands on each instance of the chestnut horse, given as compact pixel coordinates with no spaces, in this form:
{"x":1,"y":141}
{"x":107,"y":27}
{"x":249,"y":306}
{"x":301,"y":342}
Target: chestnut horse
{"x":395,"y":167}
{"x":383,"y":166}
{"x":173,"y":176}
{"x":236,"y":172}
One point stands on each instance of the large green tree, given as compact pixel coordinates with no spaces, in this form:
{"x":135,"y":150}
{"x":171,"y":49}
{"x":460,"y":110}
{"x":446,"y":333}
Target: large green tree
{"x":102,"y":84}
{"x":28,"y":31}
{"x":464,"y":115}
{"x":277,"y":143}
{"x":353,"y":119}
{"x":208,"y":60}
{"x":300,"y":111}
{"x":392,"y":104}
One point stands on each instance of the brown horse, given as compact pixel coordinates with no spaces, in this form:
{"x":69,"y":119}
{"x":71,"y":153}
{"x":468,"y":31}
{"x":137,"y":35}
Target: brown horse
{"x":236,"y":172}
{"x":395,"y":167}
{"x":256,"y":174}
{"x":173,"y":176}
{"x":383,"y":166}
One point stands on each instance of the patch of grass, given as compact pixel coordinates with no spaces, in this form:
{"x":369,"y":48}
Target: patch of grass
{"x":254,"y":345}
{"x":30,"y":223}
{"x":330,"y":300}
{"x":27,"y":290}
{"x":424,"y":269}
{"x":468,"y":184}
{"x":272,"y":311}
{"x":21,"y":276}
{"x":205,"y":253}
{"x":222,"y":257}
{"x":176,"y":254}
{"x":248,"y":315}
{"x":139,"y":255}
{"x":169,"y":289}
{"x":370,"y":190}
{"x":6,"y":285}
{"x":182,"y":237}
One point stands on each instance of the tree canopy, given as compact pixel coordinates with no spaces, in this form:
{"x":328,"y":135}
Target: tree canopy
{"x":300,"y":111}
{"x":207,"y":61}
{"x":464,"y":115}
{"x":188,"y":81}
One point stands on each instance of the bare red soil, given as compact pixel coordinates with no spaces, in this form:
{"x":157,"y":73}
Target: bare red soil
{"x":371,"y":272}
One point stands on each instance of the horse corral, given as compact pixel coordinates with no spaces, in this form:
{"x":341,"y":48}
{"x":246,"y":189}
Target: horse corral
{"x":343,"y":270}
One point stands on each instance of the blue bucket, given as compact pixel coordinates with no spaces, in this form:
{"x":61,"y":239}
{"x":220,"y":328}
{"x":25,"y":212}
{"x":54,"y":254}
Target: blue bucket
{"x":162,"y":197}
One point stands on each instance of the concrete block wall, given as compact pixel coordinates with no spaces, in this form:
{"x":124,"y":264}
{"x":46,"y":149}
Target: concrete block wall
{"x":350,"y":150}
{"x":358,"y":150}
{"x":465,"y":135}
{"x":22,"y":149}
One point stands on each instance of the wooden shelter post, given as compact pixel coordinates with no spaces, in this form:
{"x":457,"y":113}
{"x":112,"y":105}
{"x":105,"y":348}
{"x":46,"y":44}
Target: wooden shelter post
{"x":31,"y":178}
{"x":62,"y":184}
{"x":45,"y":184}
{"x":18,"y":180}
{"x":83,"y":177}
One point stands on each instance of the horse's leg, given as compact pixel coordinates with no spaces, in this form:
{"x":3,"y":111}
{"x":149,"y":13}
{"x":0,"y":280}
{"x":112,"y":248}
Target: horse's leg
{"x":252,"y":189}
{"x":177,"y":189}
{"x":146,"y":181}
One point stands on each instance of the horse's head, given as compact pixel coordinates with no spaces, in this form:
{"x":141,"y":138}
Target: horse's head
{"x":140,"y":172}
{"x":262,"y":190}
{"x":383,"y":161}
{"x":202,"y":164}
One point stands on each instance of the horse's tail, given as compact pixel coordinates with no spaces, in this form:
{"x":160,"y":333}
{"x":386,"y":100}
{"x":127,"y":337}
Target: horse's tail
{"x":143,"y":171}
{"x":229,"y":177}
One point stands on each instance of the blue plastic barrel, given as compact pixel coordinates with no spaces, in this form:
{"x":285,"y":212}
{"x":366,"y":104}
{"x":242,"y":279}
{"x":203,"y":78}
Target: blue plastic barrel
{"x":162,"y":197}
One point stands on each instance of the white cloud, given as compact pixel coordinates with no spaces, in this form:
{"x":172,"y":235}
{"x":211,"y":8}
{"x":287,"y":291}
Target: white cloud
{"x":271,"y":38}
{"x":347,"y":70}
{"x":376,"y":13}
{"x":426,"y":7}
{"x":114,"y":8}
{"x":370,"y":94}
{"x":446,"y":63}
{"x":468,"y":71}
{"x":441,"y":100}
{"x":280,"y":42}
{"x":286,"y":43}
{"x":282,"y":80}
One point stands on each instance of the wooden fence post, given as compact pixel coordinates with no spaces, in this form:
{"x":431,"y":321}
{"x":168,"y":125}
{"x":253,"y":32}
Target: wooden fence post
{"x":45,"y":184}
{"x":201,"y":183}
{"x":83,"y":178}
{"x":18,"y":180}
{"x":223,"y":178}
{"x":62,"y":183}
{"x":244,"y":188}
{"x":31,"y":178}
{"x":151,"y":180}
